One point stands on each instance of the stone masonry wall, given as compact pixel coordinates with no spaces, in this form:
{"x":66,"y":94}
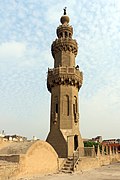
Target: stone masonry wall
{"x":40,"y":159}
{"x":87,"y":163}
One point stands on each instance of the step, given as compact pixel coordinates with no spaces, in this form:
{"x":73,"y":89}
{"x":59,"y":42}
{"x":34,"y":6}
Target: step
{"x":70,"y":159}
{"x":69,"y":162}
{"x":68,"y":165}
{"x":66,"y":171}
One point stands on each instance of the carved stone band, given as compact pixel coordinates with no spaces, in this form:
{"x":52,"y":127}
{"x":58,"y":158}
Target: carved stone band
{"x":65,"y":44}
{"x":55,"y":78}
{"x":62,"y":29}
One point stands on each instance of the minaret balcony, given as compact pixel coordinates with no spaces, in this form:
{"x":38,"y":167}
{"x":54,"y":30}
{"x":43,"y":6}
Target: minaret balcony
{"x":64,"y":76}
{"x":64,"y":31}
{"x":64,"y":44}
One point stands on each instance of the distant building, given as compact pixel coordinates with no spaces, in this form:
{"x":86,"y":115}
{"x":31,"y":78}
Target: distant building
{"x":15,"y":138}
{"x":111,"y":141}
{"x":97,"y":139}
{"x":2,"y":134}
{"x":34,"y":138}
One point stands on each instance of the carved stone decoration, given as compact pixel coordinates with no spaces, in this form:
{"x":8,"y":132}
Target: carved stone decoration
{"x":55,"y":79}
{"x":62,"y":29}
{"x":64,"y":45}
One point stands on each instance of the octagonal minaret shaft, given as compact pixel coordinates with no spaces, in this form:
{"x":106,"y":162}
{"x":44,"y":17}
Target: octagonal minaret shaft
{"x":64,"y":82}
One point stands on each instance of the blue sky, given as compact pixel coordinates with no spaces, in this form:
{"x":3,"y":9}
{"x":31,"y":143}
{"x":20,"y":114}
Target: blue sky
{"x":27,"y":30}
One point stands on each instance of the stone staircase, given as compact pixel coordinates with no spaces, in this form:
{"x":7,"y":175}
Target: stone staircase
{"x":68,"y":166}
{"x":7,"y":169}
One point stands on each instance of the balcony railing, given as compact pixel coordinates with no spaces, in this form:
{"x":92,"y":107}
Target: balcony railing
{"x":64,"y":70}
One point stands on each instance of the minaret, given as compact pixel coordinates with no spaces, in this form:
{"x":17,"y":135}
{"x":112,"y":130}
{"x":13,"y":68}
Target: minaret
{"x":64,"y":82}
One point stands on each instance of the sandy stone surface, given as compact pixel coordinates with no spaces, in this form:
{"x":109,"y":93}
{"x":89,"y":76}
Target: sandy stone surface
{"x":110,"y":172}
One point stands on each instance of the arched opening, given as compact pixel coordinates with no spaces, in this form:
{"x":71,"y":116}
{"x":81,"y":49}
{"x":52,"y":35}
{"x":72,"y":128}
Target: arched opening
{"x":56,"y":108}
{"x":75,"y":107}
{"x":66,"y":105}
{"x":65,"y":34}
{"x":56,"y":104}
{"x":75,"y":142}
{"x":70,"y":35}
{"x":61,"y":35}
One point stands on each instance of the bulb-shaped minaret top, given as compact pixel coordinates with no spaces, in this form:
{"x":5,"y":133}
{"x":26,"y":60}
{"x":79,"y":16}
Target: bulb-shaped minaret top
{"x":64,"y":19}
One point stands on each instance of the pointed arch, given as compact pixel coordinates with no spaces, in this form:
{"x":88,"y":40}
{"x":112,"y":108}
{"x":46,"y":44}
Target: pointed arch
{"x":66,"y":105}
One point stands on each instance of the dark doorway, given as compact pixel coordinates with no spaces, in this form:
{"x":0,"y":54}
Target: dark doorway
{"x":119,"y":148}
{"x":75,"y":142}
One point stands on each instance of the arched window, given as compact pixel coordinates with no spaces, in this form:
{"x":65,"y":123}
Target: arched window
{"x":61,"y":35}
{"x":56,"y":104}
{"x":56,"y":108}
{"x":75,"y":107}
{"x":65,"y":33}
{"x":75,"y":103}
{"x":66,"y":105}
{"x":70,"y":35}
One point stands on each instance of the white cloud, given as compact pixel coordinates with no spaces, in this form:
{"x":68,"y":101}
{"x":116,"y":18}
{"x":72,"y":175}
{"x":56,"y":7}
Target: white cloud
{"x":12,"y":50}
{"x":23,"y":55}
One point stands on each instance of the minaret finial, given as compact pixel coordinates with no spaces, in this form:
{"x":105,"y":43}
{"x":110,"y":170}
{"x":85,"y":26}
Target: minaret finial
{"x":65,"y":10}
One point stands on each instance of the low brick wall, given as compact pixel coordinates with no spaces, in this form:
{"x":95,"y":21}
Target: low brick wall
{"x":86,"y":163}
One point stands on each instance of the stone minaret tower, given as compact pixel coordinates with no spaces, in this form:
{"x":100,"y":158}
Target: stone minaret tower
{"x":64,"y":82}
